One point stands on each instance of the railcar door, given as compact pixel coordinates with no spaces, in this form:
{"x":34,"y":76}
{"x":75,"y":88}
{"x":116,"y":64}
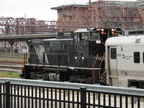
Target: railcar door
{"x":113,"y":75}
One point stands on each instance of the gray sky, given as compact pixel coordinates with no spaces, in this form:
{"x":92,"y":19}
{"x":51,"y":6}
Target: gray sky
{"x":40,"y":9}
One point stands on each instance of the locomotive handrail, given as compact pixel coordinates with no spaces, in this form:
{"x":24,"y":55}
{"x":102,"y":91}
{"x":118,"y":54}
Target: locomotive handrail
{"x":100,"y":76}
{"x":50,"y":53}
{"x":101,"y":64}
{"x":93,"y":76}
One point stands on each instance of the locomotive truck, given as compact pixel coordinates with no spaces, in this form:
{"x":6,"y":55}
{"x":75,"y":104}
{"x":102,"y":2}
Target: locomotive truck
{"x":76,"y":58}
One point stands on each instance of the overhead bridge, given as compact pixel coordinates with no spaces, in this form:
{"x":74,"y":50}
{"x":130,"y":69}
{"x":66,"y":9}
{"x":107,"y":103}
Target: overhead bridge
{"x":13,"y":38}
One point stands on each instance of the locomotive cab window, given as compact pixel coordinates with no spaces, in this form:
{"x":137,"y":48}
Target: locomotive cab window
{"x":136,"y":57}
{"x":113,"y":53}
{"x":81,"y":37}
{"x":94,"y":35}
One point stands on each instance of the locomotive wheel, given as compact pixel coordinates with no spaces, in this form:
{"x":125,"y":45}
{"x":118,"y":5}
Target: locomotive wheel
{"x":73,"y":79}
{"x":89,"y":81}
{"x":54,"y":76}
{"x":45,"y":76}
{"x":32,"y":75}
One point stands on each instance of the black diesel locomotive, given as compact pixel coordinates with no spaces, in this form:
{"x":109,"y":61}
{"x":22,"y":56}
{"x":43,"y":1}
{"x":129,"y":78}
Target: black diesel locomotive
{"x":75,"y":58}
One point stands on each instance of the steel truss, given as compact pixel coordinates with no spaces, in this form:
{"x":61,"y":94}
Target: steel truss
{"x":99,"y":14}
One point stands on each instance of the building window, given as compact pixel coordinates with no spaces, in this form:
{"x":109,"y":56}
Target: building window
{"x":136,"y":57}
{"x":113,"y":53}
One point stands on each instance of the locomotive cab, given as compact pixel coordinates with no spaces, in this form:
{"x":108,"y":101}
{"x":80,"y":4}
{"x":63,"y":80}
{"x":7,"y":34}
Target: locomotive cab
{"x":89,"y":50}
{"x":95,"y":39}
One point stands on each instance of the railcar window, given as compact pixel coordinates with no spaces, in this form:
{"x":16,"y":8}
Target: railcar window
{"x":136,"y":57}
{"x":113,"y":53}
{"x":136,"y":32}
{"x":140,"y":32}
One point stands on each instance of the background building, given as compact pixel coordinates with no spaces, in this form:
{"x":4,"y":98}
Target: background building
{"x":122,"y":14}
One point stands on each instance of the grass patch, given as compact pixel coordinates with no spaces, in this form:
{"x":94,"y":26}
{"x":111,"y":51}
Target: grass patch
{"x":9,"y":74}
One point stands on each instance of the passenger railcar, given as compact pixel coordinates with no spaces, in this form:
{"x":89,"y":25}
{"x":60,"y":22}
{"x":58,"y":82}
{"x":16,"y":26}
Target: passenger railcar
{"x":77,"y":58}
{"x":125,"y":61}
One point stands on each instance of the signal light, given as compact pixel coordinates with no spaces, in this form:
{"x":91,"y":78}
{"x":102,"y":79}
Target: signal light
{"x":102,"y":31}
{"x":112,"y":31}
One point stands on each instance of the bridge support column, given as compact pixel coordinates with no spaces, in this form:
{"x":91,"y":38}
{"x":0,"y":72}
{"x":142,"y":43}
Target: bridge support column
{"x":11,"y":51}
{"x":11,"y":48}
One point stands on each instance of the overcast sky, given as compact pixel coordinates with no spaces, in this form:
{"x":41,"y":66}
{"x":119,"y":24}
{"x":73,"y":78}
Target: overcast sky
{"x":40,"y":9}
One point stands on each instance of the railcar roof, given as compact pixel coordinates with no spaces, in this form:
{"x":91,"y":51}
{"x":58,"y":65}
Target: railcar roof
{"x":125,"y":40}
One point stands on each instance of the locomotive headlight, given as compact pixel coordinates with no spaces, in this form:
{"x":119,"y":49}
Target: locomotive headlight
{"x":75,"y":57}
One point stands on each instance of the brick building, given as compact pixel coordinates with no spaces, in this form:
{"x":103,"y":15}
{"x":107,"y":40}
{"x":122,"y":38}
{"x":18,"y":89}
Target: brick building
{"x":123,"y":14}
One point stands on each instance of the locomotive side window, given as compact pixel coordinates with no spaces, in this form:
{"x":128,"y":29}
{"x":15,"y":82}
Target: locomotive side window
{"x":113,"y":53}
{"x":136,"y":57}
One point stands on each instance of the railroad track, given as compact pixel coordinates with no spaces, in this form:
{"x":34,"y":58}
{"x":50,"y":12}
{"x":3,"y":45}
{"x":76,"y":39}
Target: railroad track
{"x":10,"y":65}
{"x":10,"y":68}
